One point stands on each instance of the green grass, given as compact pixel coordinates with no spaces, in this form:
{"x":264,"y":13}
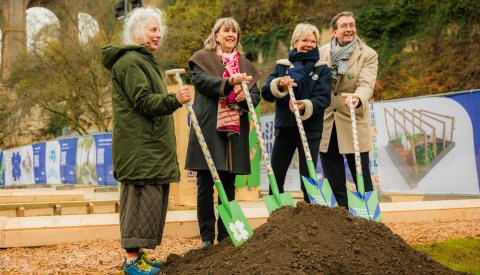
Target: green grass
{"x":458,"y":254}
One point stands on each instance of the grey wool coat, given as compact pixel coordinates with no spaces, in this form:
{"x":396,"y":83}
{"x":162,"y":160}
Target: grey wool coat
{"x":229,"y":153}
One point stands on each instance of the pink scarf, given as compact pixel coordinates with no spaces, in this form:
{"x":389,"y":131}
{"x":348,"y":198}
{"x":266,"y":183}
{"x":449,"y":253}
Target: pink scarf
{"x":228,"y":113}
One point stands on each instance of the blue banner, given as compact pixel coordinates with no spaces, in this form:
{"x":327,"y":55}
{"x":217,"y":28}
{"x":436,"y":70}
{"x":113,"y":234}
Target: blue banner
{"x":68,"y":151}
{"x":104,"y":165}
{"x":471,"y":101}
{"x":39,"y":170}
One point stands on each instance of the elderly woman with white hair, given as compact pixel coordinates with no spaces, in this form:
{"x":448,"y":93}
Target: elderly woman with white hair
{"x":312,"y":93}
{"x":143,"y":139}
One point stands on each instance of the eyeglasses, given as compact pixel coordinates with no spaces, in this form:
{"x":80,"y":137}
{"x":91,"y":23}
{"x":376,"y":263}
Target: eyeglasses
{"x":306,"y":41}
{"x":346,"y":26}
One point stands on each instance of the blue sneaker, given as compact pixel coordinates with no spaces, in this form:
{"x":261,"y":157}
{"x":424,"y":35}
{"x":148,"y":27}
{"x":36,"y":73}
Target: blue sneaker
{"x":146,"y":259}
{"x":140,"y":267}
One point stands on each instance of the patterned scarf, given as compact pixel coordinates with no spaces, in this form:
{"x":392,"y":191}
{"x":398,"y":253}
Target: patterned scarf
{"x":340,"y":56}
{"x":228,"y":112}
{"x":303,"y":64}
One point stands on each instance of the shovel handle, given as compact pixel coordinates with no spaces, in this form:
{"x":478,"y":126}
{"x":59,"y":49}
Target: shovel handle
{"x":175,"y":71}
{"x":303,"y":137}
{"x":258,"y":131}
{"x":196,"y":127}
{"x":301,"y":130}
{"x":356,"y":147}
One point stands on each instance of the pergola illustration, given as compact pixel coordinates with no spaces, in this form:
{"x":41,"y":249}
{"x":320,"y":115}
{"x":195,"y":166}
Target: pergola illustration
{"x":417,"y":140}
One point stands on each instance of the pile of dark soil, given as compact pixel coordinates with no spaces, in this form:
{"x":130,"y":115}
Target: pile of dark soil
{"x":310,"y":239}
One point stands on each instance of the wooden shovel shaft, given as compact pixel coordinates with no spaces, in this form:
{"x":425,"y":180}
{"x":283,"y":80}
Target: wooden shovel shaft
{"x":263,"y":148}
{"x":303,"y":137}
{"x":356,"y":147}
{"x":301,"y":130}
{"x":203,"y":144}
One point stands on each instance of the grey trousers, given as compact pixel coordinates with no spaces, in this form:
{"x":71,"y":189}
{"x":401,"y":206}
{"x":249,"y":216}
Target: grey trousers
{"x":143,"y":210}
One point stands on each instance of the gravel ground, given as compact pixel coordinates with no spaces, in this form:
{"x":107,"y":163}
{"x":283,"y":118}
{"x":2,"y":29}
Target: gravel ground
{"x":106,"y":257}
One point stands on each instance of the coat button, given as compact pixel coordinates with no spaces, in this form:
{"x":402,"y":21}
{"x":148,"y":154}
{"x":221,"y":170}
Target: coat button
{"x":335,"y":94}
{"x":334,"y":110}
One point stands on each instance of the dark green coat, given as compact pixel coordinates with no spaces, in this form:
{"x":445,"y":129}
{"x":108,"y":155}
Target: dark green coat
{"x":143,"y":138}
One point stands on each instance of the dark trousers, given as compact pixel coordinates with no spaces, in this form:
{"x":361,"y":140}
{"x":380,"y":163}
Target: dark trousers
{"x":334,"y":169}
{"x":205,"y":204}
{"x":286,"y":141}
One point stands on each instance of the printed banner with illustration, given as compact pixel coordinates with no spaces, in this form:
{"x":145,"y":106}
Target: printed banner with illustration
{"x":83,"y":160}
{"x":426,"y":145}
{"x":430,"y":145}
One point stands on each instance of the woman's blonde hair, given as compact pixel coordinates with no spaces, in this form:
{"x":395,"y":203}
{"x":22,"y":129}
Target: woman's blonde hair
{"x":211,"y":43}
{"x":304,"y":29}
{"x":134,"y":28}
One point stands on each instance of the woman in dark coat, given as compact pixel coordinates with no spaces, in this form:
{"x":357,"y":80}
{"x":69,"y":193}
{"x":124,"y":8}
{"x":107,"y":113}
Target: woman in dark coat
{"x":143,"y":139}
{"x":312,"y":94}
{"x":222,"y":112}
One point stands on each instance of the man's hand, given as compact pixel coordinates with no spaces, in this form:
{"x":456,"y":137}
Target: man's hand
{"x":355,"y":101}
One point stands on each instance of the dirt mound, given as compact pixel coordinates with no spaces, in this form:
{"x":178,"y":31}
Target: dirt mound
{"x":310,"y":239}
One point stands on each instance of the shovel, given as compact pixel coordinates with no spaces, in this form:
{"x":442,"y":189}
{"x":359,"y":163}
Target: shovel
{"x":232,"y":215}
{"x":361,"y":204}
{"x":276,"y":200}
{"x":319,"y":192}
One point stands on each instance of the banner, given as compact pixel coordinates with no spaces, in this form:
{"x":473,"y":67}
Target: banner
{"x":86,"y":161}
{"x":68,"y":161}
{"x":39,"y":163}
{"x":292,"y":179}
{"x":104,"y":167}
{"x":19,"y":166}
{"x":429,"y":145}
{"x":52,"y":162}
{"x":470,"y":101}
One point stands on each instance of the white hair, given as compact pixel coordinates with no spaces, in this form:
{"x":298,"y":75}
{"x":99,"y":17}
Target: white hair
{"x":304,"y":29}
{"x":134,"y":28}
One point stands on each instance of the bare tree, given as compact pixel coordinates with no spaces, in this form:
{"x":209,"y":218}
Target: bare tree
{"x":63,"y":74}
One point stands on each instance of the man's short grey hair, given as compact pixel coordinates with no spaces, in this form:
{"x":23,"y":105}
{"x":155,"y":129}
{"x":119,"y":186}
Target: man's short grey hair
{"x":211,"y":43}
{"x":304,"y":29}
{"x":134,"y":28}
{"x":333,"y":22}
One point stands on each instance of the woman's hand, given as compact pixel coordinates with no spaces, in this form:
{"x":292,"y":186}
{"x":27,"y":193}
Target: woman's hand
{"x":285,"y":81}
{"x":183,"y":95}
{"x":237,"y":79}
{"x":239,"y":94}
{"x":300,"y":105}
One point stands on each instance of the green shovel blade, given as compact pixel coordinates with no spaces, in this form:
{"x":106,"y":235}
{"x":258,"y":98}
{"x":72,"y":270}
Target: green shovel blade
{"x":319,"y":192}
{"x":276,"y":200}
{"x":273,"y":202}
{"x":366,"y":206}
{"x":235,"y":222}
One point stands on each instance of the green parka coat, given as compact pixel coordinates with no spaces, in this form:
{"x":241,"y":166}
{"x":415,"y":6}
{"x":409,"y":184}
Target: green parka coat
{"x":143,"y":138}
